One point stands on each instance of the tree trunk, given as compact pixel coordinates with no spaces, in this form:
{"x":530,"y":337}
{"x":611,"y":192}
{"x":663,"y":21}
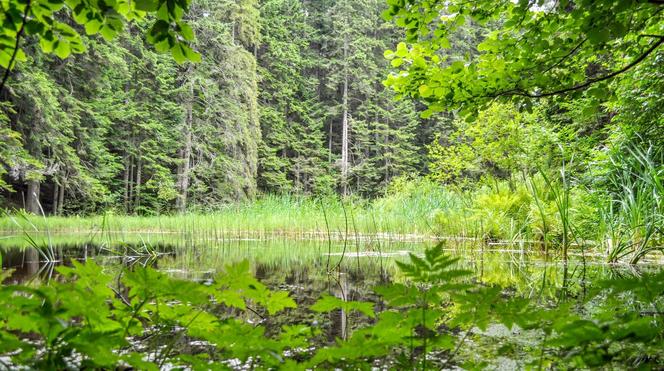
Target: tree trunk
{"x":139,"y":170}
{"x":329,"y":144}
{"x":185,"y":153}
{"x":126,"y":196}
{"x":126,"y":184}
{"x":61,"y":197}
{"x":344,"y":128}
{"x":56,"y":193}
{"x":31,"y":262}
{"x":32,"y":204}
{"x":387,"y":158}
{"x":130,"y":205}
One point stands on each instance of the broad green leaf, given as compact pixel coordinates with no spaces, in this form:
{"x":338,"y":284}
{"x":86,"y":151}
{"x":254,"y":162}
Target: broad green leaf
{"x":147,"y":5}
{"x":186,"y":31}
{"x":425,"y":91}
{"x":62,"y":49}
{"x":329,"y":303}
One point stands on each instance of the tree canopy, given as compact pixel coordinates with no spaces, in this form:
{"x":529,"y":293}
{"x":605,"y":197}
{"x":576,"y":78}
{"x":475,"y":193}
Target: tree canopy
{"x":50,"y":21}
{"x":535,"y":49}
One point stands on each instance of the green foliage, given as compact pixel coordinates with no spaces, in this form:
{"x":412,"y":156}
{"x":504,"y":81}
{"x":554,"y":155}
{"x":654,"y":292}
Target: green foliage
{"x":89,"y":315}
{"x":104,"y":129}
{"x":312,"y":53}
{"x":502,"y":142}
{"x":533,"y":49}
{"x":12,"y":153}
{"x":119,"y":128}
{"x":293,"y":157}
{"x":51,"y":23}
{"x":329,"y":303}
{"x":91,"y":318}
{"x":635,"y":211}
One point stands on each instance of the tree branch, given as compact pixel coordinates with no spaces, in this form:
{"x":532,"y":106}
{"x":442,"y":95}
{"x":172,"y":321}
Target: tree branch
{"x":16,"y":45}
{"x":562,"y":59}
{"x":589,"y":82}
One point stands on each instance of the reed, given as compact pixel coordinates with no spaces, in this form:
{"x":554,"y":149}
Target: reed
{"x":636,"y":212}
{"x":545,"y":212}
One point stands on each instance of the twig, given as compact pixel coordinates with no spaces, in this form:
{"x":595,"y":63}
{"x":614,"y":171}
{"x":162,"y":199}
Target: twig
{"x":458,"y":347}
{"x":16,"y":45}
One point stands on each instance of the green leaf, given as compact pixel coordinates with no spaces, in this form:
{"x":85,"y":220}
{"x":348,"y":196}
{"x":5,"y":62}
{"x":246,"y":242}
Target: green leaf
{"x":189,"y":53}
{"x":599,"y":92}
{"x":402,"y":50}
{"x":598,"y":35}
{"x":62,"y":49}
{"x":278,"y":301}
{"x":425,"y":91}
{"x":186,"y":31}
{"x":457,"y":66}
{"x":92,"y":27}
{"x":107,"y":32}
{"x":328,"y":303}
{"x":445,"y":43}
{"x":147,"y":5}
{"x":34,"y":27}
{"x":46,"y":44}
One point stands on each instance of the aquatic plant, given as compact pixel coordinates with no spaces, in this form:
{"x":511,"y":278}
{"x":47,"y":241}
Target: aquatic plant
{"x":636,"y":211}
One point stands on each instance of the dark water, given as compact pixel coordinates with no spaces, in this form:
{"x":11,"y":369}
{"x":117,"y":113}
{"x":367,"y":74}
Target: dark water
{"x":308,"y":269}
{"x":316,"y":265}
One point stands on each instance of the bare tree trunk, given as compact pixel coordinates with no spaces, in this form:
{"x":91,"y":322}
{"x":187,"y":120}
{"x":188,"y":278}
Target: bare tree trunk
{"x":340,"y":322}
{"x":126,"y":197}
{"x":61,"y":196}
{"x":329,"y":144}
{"x":32,"y":197}
{"x":56,"y":193}
{"x":185,"y":154}
{"x":32,"y":204}
{"x":387,"y":158}
{"x":31,"y":262}
{"x":130,"y":204}
{"x":139,"y":170}
{"x":344,"y":122}
{"x":126,"y":184}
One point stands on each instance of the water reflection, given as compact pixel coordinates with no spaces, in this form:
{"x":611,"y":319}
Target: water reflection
{"x":528,"y":272}
{"x":302,"y":268}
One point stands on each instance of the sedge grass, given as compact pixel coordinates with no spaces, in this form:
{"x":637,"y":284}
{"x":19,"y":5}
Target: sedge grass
{"x":543,"y":211}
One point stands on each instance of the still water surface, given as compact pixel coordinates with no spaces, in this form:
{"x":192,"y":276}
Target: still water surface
{"x":307,"y":269}
{"x":360,"y":264}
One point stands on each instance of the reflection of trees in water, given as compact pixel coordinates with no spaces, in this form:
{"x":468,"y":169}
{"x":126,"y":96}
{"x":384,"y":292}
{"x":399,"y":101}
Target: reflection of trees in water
{"x":306,"y":278}
{"x":31,"y":262}
{"x":340,"y":289}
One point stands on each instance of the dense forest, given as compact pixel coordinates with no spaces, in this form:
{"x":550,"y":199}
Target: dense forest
{"x":290,"y":97}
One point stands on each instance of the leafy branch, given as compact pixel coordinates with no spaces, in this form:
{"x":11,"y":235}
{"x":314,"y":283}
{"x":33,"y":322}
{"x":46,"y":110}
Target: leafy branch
{"x":19,"y":33}
{"x":588,"y":82}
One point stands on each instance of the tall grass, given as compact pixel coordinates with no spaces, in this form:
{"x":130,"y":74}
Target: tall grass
{"x":544,"y":212}
{"x":560,"y":191}
{"x":269,"y":216}
{"x":636,"y":211}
